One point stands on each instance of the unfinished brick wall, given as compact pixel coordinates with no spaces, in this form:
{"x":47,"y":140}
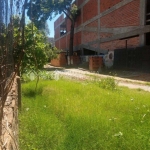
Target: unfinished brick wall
{"x":68,"y":38}
{"x":120,"y":44}
{"x":88,"y":37}
{"x":68,"y":25}
{"x":102,"y":20}
{"x":57,"y":44}
{"x":79,"y":2}
{"x":93,"y":24}
{"x":90,"y":10}
{"x":107,"y":4}
{"x":59,"y":20}
{"x":77,"y":38}
{"x":127,"y":15}
{"x":105,"y":35}
{"x":60,"y":61}
{"x":57,"y":32}
{"x":79,"y":19}
{"x":57,"y":26}
{"x":63,"y":43}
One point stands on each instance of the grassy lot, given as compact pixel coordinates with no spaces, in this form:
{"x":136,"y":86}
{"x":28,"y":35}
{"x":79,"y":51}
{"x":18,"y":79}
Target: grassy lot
{"x":69,"y":115}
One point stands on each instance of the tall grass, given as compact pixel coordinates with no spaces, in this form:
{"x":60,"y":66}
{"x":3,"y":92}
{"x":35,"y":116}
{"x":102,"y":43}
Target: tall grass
{"x":69,"y":115}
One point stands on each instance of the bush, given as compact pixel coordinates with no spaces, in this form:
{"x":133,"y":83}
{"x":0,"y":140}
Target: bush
{"x":108,"y":83}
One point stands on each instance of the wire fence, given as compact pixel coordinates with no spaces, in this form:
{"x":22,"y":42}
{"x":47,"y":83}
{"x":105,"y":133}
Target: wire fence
{"x":8,"y":10}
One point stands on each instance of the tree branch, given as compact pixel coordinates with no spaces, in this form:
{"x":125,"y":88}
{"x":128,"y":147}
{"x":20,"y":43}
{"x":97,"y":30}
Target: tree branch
{"x":67,"y":15}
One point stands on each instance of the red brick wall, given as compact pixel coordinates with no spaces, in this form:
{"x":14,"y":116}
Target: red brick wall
{"x":90,"y":10}
{"x":93,"y":24}
{"x":56,"y":23}
{"x":59,"y":20}
{"x":57,"y":44}
{"x":77,"y":39}
{"x":80,"y":2}
{"x":95,"y":45}
{"x":89,"y":36}
{"x":78,"y":21}
{"x":59,"y":61}
{"x":114,"y":45}
{"x":63,"y":42}
{"x":106,"y":4}
{"x":105,"y":35}
{"x":57,"y":32}
{"x":118,"y":44}
{"x":68,"y":22}
{"x":133,"y":42}
{"x":127,"y":15}
{"x":57,"y":27}
{"x":68,"y":39}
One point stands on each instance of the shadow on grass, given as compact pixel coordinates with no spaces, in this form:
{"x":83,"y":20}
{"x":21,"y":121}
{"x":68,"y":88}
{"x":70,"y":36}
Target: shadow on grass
{"x":31,"y":92}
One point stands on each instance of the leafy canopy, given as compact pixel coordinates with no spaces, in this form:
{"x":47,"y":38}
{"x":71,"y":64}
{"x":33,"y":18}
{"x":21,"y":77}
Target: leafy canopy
{"x":41,"y":10}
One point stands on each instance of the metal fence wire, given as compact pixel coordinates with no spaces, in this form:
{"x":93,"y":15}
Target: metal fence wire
{"x":8,"y":10}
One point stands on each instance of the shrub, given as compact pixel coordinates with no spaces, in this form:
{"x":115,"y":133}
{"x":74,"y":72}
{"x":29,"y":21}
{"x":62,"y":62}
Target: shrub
{"x":108,"y":83}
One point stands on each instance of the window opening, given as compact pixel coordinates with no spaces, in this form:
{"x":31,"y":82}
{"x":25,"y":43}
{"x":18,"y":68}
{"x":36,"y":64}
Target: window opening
{"x":148,"y":22}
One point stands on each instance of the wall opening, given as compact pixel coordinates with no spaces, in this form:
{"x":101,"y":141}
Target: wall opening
{"x":148,"y":21}
{"x":148,"y":38}
{"x":89,"y":52}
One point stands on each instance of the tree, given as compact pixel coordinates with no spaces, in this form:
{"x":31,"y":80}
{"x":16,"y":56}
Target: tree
{"x":46,"y":9}
{"x":51,"y":51}
{"x":36,"y":48}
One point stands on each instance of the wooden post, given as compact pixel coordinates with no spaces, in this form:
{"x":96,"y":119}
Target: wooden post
{"x":19,"y":92}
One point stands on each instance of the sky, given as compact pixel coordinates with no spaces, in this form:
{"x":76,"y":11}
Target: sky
{"x":51,"y":26}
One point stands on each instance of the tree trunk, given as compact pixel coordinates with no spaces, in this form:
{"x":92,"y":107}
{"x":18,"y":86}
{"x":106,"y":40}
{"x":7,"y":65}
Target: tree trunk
{"x":71,"y":38}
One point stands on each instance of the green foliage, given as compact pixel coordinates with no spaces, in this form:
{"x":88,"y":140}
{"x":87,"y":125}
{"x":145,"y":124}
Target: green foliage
{"x":43,"y":10}
{"x":36,"y":48}
{"x":51,"y":52}
{"x":35,"y":56}
{"x":74,"y":11}
{"x":69,"y":115}
{"x":108,"y":83}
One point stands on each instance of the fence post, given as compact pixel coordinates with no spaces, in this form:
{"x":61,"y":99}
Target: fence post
{"x":19,"y":92}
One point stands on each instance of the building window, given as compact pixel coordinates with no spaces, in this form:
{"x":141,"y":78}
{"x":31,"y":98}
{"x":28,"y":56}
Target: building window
{"x":63,"y":29}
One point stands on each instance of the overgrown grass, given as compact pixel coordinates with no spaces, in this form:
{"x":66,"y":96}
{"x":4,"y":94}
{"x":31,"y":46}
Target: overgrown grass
{"x":69,"y":115}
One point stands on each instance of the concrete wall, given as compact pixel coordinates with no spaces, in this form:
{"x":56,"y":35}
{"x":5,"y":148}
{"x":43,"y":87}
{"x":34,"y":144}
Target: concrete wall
{"x":106,"y":24}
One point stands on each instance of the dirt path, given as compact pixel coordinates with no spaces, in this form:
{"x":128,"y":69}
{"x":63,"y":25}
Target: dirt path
{"x":135,"y":86}
{"x":81,"y":74}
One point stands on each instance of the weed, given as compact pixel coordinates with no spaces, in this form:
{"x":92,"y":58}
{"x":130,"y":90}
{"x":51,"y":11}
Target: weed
{"x":108,"y":83}
{"x":148,"y":83}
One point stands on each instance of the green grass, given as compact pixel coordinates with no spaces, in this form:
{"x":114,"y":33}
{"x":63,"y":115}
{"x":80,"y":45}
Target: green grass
{"x":69,"y":115}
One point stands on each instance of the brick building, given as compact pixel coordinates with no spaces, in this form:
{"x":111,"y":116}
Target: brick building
{"x":106,"y":25}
